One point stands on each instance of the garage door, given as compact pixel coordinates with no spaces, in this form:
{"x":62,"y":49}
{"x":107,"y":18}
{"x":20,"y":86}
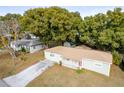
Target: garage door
{"x":70,"y":63}
{"x":97,"y":66}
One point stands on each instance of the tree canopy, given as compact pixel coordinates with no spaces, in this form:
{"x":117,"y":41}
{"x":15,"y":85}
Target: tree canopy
{"x":55,"y":24}
{"x":104,"y":31}
{"x":52,"y":24}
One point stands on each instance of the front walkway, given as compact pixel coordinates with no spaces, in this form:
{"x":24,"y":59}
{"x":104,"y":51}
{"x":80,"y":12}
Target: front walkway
{"x":23,"y":78}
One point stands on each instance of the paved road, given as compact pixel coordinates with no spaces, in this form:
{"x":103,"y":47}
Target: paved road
{"x":23,"y":78}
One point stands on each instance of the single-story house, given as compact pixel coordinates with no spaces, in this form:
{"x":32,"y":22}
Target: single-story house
{"x":31,"y":45}
{"x":80,"y":58}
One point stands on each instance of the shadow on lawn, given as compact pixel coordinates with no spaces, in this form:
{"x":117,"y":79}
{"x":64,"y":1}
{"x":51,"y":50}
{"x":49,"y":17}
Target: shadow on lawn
{"x":121,"y":66}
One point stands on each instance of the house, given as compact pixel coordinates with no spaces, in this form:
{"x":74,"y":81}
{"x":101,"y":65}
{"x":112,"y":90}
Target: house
{"x":30,"y":42}
{"x":80,"y":58}
{"x":69,"y":44}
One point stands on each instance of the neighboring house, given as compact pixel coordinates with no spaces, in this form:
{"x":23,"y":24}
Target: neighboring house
{"x":81,"y":58}
{"x":31,"y":45}
{"x":69,"y":44}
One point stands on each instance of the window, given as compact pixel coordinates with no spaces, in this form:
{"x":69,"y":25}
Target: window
{"x":18,"y":45}
{"x":34,"y":47}
{"x":52,"y":55}
{"x":97,"y":64}
{"x":67,"y":59}
{"x":80,"y":63}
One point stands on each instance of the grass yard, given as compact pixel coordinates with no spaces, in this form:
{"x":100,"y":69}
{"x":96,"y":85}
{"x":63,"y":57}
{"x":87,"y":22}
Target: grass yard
{"x":21,"y":62}
{"x":58,"y":76}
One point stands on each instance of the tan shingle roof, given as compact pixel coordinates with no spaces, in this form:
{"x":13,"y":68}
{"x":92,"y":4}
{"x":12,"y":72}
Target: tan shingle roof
{"x":79,"y":54}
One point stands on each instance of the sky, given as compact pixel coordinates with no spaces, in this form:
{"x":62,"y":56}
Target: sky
{"x":83,"y":10}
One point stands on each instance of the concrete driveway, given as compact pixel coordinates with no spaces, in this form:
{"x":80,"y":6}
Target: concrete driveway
{"x":23,"y":78}
{"x":3,"y":84}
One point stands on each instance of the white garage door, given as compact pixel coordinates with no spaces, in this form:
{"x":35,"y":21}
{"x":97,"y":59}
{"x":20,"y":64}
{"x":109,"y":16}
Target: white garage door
{"x":70,"y":63}
{"x":97,"y":66}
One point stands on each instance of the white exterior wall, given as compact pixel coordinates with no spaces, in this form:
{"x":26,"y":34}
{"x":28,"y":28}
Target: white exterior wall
{"x":57,"y":58}
{"x":37,"y":48}
{"x":13,"y":46}
{"x":53,"y":56}
{"x":17,"y":48}
{"x":30,"y":48}
{"x":70,"y":63}
{"x":93,"y":65}
{"x":97,"y":66}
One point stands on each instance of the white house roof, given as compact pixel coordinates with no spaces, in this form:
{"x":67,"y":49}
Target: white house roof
{"x":79,"y":54}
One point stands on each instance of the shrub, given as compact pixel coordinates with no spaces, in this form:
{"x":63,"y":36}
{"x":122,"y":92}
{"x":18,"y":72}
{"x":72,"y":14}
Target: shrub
{"x":79,"y":71}
{"x":60,"y":63}
{"x":116,"y":58}
{"x":23,"y":49}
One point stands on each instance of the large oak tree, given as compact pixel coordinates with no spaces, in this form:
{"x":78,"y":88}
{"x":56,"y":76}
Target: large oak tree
{"x":52,"y":24}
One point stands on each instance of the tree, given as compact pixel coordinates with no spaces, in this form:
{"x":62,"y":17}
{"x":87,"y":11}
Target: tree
{"x":9,"y":28}
{"x":6,"y":33}
{"x":116,"y":58}
{"x":6,"y":38}
{"x":104,"y":31}
{"x":52,"y":24}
